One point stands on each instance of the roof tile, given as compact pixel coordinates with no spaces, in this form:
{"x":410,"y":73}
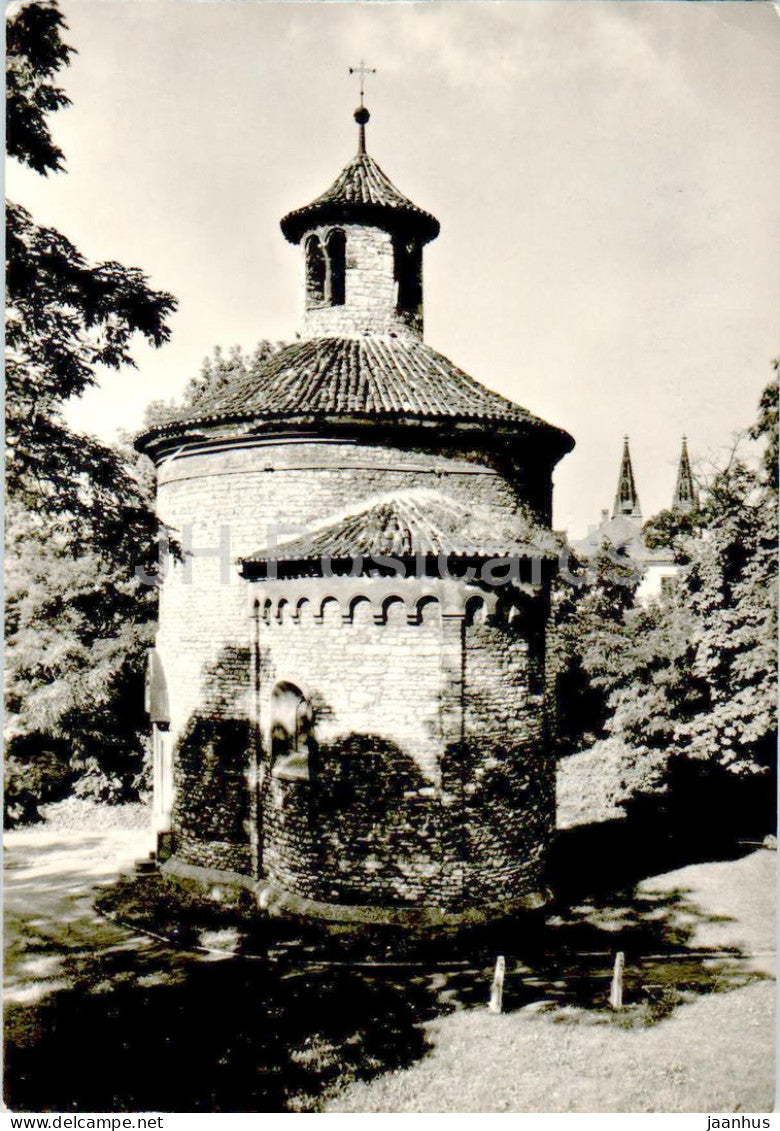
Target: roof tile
{"x":361,"y":188}
{"x":416,"y":522}
{"x":369,"y":377}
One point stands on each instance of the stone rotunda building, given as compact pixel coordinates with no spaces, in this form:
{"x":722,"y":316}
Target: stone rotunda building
{"x":347,"y":690}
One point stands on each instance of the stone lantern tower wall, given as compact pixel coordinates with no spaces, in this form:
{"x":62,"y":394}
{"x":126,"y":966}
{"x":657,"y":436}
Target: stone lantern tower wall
{"x":371,"y":292}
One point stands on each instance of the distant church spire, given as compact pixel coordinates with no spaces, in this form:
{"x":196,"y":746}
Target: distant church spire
{"x":626,"y":499}
{"x":686,"y":497}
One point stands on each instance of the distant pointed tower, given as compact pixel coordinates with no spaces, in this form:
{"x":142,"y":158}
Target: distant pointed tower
{"x":686,"y":497}
{"x":626,"y":498}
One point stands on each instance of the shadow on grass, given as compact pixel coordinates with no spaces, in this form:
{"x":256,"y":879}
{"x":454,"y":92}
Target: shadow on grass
{"x":142,"y":1026}
{"x":228,"y":1036}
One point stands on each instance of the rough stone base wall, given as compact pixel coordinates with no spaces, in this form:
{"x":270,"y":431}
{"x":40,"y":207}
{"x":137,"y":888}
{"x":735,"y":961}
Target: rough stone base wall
{"x":395,"y":812}
{"x":508,"y":815}
{"x":214,"y":854}
{"x":360,"y":828}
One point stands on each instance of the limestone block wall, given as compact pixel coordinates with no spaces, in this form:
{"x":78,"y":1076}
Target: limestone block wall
{"x":428,"y":782}
{"x":224,"y":503}
{"x":371,"y":289}
{"x":362,"y":830}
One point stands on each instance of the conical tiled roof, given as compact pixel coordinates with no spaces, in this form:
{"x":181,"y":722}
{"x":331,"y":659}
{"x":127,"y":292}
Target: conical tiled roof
{"x":416,"y":522}
{"x":361,"y":193}
{"x":379,"y":379}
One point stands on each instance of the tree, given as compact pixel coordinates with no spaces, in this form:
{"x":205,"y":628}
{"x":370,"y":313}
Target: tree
{"x":34,"y":53}
{"x":216,"y":373}
{"x":589,"y":605}
{"x":698,"y":674}
{"x":732,"y":585}
{"x":65,"y":318}
{"x":670,"y":529}
{"x":685,"y":686}
{"x":79,"y":516}
{"x":78,"y":632}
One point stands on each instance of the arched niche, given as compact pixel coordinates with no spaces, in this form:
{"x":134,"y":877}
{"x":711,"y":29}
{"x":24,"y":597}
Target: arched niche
{"x":360,"y":610}
{"x":315,"y":272}
{"x":329,"y":611}
{"x":475,"y":610}
{"x":303,"y":610}
{"x":426,"y":611}
{"x":290,"y":732}
{"x":394,"y":610}
{"x":336,"y":249}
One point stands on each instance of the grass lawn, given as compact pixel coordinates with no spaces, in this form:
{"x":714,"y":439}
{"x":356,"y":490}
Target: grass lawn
{"x":102,"y":1018}
{"x":713,"y":1052}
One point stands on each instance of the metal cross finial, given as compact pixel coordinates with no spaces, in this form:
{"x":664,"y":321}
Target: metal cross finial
{"x":362,"y":70}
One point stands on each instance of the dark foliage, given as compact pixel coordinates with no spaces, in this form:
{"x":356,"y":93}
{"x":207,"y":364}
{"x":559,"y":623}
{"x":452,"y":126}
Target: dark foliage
{"x":588,"y":609}
{"x":692,"y":676}
{"x":35,"y":52}
{"x":66,"y":318}
{"x":670,"y":529}
{"x":217,"y":372}
{"x":80,"y":518}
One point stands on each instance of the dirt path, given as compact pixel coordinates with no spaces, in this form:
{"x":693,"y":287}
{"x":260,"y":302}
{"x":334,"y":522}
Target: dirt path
{"x":50,"y":920}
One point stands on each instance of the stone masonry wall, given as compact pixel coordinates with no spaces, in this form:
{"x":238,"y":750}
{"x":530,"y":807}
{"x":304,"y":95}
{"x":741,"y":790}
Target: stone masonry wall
{"x":229,"y":499}
{"x":394,"y":812}
{"x":508,"y":813}
{"x":364,"y":828}
{"x":371,"y":290}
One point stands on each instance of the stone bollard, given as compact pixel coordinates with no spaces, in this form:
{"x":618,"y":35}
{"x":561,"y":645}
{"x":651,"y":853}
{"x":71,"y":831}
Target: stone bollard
{"x":497,"y":989}
{"x":616,"y":990}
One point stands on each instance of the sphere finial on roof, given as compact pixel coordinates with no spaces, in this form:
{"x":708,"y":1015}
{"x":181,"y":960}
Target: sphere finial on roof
{"x":362,"y":193}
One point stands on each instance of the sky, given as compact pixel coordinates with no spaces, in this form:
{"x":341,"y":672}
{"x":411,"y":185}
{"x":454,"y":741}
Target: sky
{"x":605,"y":175}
